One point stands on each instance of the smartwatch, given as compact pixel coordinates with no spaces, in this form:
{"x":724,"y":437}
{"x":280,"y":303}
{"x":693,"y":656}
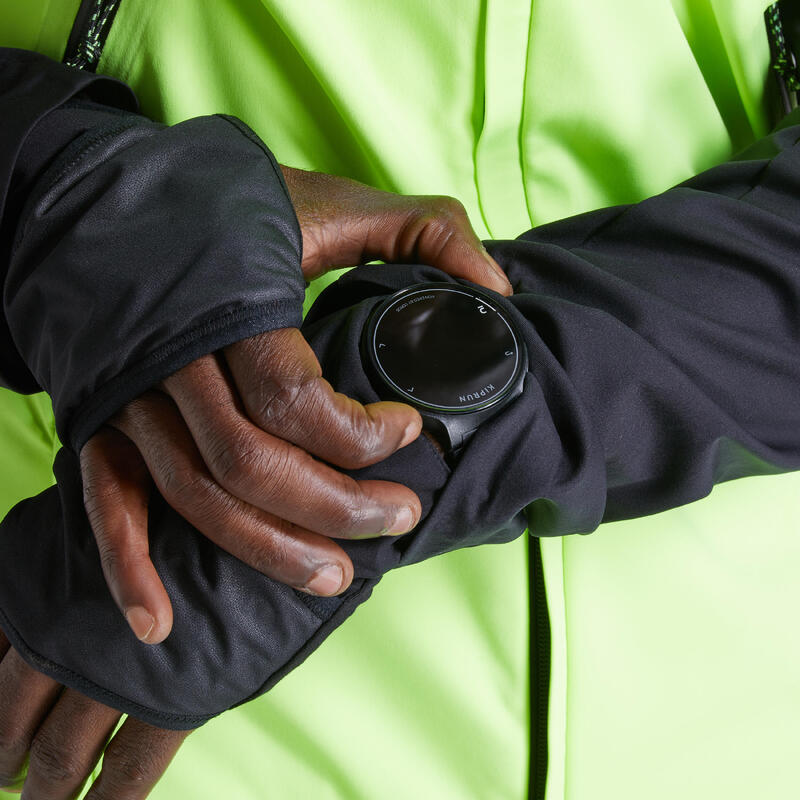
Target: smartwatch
{"x":451,"y":351}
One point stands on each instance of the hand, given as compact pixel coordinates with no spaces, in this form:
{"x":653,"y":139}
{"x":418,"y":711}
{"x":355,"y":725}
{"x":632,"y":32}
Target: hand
{"x":345,"y":222}
{"x":235,"y":440}
{"x":56,"y":736}
{"x":228,"y":441}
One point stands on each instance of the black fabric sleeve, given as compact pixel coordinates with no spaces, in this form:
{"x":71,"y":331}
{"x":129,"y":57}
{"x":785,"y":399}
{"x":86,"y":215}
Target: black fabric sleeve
{"x":31,"y":86}
{"x":664,"y":344}
{"x":130,"y":247}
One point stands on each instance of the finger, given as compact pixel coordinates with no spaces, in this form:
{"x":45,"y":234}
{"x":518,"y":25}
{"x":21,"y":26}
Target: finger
{"x":67,"y":746}
{"x":25,"y":698}
{"x":438,"y":232}
{"x":271,"y":473}
{"x":116,"y":488}
{"x":277,"y":548}
{"x":134,"y":760}
{"x":345,"y":222}
{"x":280,"y":382}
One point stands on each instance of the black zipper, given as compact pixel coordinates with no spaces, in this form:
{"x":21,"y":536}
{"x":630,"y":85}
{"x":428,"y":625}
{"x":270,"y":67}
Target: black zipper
{"x":89,"y":33}
{"x":539,"y":671}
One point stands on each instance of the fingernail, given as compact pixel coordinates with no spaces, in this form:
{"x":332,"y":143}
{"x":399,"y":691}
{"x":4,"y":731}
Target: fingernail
{"x":411,"y":432}
{"x":141,"y":622}
{"x":325,"y":581}
{"x":502,"y":282}
{"x":403,"y":522}
{"x":504,"y":285}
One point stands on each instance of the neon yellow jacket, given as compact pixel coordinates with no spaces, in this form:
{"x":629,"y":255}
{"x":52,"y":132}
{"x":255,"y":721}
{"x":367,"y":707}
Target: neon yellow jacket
{"x":670,"y":669}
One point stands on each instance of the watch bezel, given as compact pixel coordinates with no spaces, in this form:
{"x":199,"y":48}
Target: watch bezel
{"x":370,"y":357}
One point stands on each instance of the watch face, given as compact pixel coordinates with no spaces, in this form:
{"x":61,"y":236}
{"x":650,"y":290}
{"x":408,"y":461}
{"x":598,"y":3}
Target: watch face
{"x":444,"y":347}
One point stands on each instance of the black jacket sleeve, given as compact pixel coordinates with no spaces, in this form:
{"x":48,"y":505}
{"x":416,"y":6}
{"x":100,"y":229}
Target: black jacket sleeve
{"x":31,"y":86}
{"x":130,"y":248}
{"x":664,"y":343}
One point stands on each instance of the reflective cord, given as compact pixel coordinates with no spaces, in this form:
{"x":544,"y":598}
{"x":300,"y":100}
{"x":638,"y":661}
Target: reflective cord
{"x":783,"y":60}
{"x":92,"y":26}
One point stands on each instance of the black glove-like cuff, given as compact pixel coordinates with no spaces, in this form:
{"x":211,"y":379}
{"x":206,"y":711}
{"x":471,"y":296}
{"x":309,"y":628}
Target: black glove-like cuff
{"x":142,"y":247}
{"x":31,"y":86}
{"x":236,"y":632}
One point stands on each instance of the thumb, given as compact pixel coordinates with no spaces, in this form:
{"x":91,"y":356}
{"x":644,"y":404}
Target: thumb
{"x":438,"y":232}
{"x":116,"y":488}
{"x":344,"y":222}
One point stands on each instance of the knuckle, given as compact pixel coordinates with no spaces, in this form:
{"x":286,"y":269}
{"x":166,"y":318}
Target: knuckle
{"x":54,"y":762}
{"x":337,"y":519}
{"x":134,"y":772}
{"x":350,"y":513}
{"x":363,"y":440}
{"x":279,"y":473}
{"x":346,"y":430}
{"x":189,"y":490}
{"x":98,"y":489}
{"x":9,"y":781}
{"x":109,"y":558}
{"x":237,"y":463}
{"x":13,"y":745}
{"x":366,"y":446}
{"x":114,"y":558}
{"x":209,"y":503}
{"x":179,"y":483}
{"x":440,"y":214}
{"x":282,"y":401}
{"x":133,"y":763}
{"x":441,"y":230}
{"x":449,"y":208}
{"x":127,"y":773}
{"x":269,"y":553}
{"x":131,"y":416}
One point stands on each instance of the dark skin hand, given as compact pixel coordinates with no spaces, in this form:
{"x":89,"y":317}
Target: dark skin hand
{"x":235,"y":442}
{"x":56,"y":736}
